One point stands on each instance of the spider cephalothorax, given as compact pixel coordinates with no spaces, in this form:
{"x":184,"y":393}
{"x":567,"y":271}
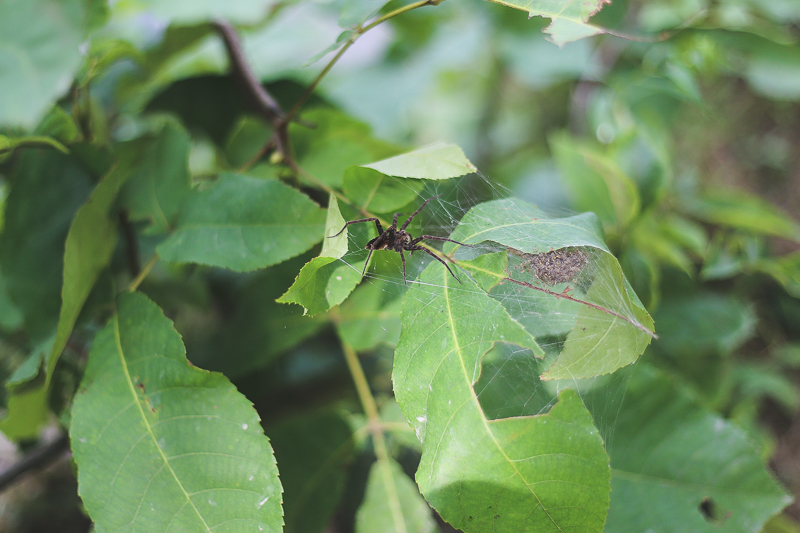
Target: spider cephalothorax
{"x":400,"y":240}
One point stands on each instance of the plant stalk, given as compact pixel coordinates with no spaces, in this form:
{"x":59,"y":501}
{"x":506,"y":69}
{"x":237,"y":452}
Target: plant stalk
{"x":376,"y":430}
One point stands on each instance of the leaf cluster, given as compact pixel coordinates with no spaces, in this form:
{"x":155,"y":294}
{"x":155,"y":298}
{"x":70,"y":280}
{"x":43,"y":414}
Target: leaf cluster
{"x":180,"y":294}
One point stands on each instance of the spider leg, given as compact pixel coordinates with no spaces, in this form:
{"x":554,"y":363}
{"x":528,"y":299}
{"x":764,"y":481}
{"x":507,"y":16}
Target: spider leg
{"x":408,"y":220}
{"x":405,"y":282}
{"x":371,"y":219}
{"x":366,"y":264}
{"x":433,"y":238}
{"x":442,"y":261}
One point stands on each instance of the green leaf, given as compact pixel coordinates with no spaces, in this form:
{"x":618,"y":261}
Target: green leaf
{"x":687,"y":331}
{"x":564,"y":282}
{"x":159,"y":177}
{"x":341,"y":40}
{"x":785,"y":270}
{"x":371,"y":316}
{"x":667,"y":461}
{"x":356,"y":12}
{"x":59,"y":125}
{"x":90,"y":243}
{"x":313,"y":451}
{"x":376,"y":192}
{"x":595,"y":182}
{"x":438,"y":161}
{"x":739,"y":209}
{"x":247,"y":141}
{"x":39,"y":55}
{"x":334,"y":246}
{"x":392,"y":503}
{"x":161,"y":445}
{"x":47,"y":190}
{"x":599,"y":343}
{"x":244,"y":223}
{"x":26,"y":413}
{"x":323,"y":283}
{"x":11,"y":317}
{"x":335,"y":144}
{"x":488,"y":269}
{"x":569,"y":18}
{"x":521,"y":473}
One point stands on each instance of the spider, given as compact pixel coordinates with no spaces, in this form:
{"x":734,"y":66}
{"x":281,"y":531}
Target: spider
{"x":399,"y":240}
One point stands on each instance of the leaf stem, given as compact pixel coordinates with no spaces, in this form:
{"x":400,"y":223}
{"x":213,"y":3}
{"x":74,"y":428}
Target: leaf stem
{"x":356,"y":34}
{"x":376,"y":428}
{"x":143,"y":274}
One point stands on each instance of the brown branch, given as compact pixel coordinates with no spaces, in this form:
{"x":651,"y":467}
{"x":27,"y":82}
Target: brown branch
{"x":38,"y":458}
{"x":566,"y":296}
{"x":264,"y":104}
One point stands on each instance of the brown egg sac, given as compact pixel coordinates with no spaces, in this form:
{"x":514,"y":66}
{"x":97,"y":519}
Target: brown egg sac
{"x":556,"y":266}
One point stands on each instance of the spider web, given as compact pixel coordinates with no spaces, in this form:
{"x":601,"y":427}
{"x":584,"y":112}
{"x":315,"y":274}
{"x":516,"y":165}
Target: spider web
{"x":509,"y":383}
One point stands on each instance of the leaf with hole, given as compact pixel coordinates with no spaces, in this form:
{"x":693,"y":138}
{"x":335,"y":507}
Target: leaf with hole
{"x":683,"y":468}
{"x":521,"y":473}
{"x":561,"y":280}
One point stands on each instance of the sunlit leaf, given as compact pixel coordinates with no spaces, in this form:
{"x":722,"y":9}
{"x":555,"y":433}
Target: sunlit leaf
{"x":334,"y":245}
{"x":325,"y":281}
{"x":162,"y":445}
{"x":435,"y":162}
{"x":570,"y":18}
{"x":244,"y":223}
{"x":377,"y":192}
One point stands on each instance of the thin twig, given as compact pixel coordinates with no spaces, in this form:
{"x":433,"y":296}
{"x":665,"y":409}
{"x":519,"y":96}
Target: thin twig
{"x":356,"y":34}
{"x":376,"y":430}
{"x":566,"y":296}
{"x":143,"y":274}
{"x":38,"y":458}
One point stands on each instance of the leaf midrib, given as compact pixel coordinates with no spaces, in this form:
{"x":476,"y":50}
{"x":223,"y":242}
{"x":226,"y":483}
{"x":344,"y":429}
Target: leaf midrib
{"x":474,"y":398}
{"x":132,"y":390}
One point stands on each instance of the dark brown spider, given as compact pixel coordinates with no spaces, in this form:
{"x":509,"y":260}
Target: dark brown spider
{"x":399,"y":240}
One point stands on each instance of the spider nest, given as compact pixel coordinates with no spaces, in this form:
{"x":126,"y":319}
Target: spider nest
{"x":554,"y":267}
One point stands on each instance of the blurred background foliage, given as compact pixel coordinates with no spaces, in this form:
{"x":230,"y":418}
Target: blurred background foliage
{"x":681,"y":134}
